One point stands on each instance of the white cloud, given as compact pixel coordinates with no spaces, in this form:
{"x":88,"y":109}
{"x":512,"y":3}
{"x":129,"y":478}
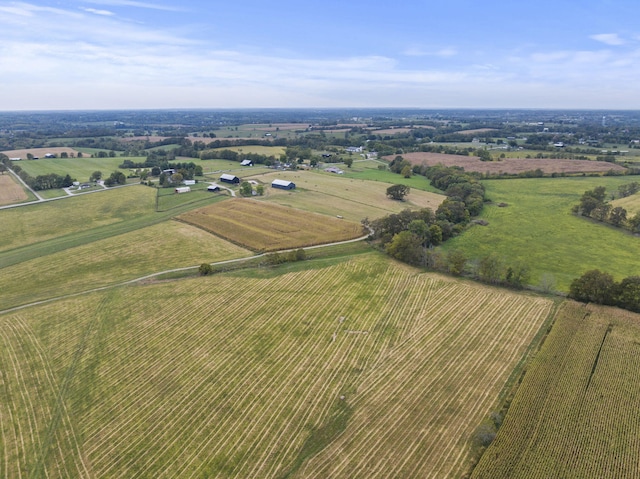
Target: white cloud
{"x":95,"y":11}
{"x":609,"y":39}
{"x":421,"y":52}
{"x":133,"y":3}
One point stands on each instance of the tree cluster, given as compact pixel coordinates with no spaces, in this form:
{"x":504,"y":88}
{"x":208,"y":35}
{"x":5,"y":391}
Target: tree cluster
{"x":116,"y":178}
{"x":593,"y":204}
{"x":599,"y":287}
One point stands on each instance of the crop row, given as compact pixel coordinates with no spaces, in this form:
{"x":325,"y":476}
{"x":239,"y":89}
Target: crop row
{"x":243,"y":377}
{"x":570,"y":417}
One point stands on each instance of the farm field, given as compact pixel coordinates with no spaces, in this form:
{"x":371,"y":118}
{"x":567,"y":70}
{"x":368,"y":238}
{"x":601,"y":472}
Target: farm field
{"x":11,"y":191}
{"x":537,"y":227}
{"x":256,"y":149}
{"x":40,"y":152}
{"x":78,"y":168}
{"x":330,"y":194}
{"x":630,"y":203}
{"x":255,"y":375}
{"x":573,"y":415}
{"x":261,"y":227}
{"x":511,"y":165}
{"x":167,"y":245}
{"x":42,"y":221}
{"x":368,"y":170}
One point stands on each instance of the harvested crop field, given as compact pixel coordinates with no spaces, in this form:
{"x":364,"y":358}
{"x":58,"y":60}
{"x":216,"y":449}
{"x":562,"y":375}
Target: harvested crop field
{"x":262,"y":226}
{"x":40,"y":152}
{"x":10,"y":191}
{"x":366,"y":368}
{"x":511,"y":166}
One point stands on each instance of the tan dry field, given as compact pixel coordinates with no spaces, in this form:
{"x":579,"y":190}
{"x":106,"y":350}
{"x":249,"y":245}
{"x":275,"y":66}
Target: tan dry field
{"x":396,"y":131}
{"x":630,"y":203}
{"x":510,"y":165}
{"x":262,"y":226}
{"x":333,"y":195}
{"x":10,"y":191}
{"x":476,"y":131}
{"x":40,"y":152}
{"x":151,"y":138}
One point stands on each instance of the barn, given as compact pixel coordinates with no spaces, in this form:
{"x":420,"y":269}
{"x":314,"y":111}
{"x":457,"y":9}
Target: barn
{"x":246,"y":163}
{"x":213,"y":187}
{"x":229,"y":179}
{"x":283,"y":184}
{"x":182,"y":189}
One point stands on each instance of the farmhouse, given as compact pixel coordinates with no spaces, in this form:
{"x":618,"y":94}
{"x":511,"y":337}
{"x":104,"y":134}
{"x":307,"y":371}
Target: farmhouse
{"x":246,"y":163}
{"x":283,"y":184}
{"x":182,"y":189}
{"x":213,"y":187}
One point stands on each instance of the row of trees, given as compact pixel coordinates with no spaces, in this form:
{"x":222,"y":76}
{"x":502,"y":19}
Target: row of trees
{"x":594,"y":204}
{"x":599,"y":287}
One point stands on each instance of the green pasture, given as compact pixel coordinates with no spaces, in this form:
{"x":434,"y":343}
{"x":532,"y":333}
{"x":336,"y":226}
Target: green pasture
{"x":368,"y":170}
{"x":256,"y":149}
{"x":167,"y":199}
{"x":537,"y":228}
{"x":105,"y":261}
{"x":78,"y":168}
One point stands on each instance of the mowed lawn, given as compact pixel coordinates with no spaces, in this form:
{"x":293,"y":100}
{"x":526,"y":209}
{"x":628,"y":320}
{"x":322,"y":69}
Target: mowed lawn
{"x":365,"y":368}
{"x":575,"y":415}
{"x":261,"y":226}
{"x":537,"y":228}
{"x":333,"y":195}
{"x":164,"y":246}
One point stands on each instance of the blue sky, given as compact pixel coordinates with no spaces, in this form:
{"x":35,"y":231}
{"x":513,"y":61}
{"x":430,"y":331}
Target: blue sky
{"x":114,"y":54}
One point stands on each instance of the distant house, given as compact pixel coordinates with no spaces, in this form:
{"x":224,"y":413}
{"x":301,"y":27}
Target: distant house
{"x":226,"y":178}
{"x":49,"y":155}
{"x":246,"y":163}
{"x":333,"y":169}
{"x":189,"y":182}
{"x":354,"y":149}
{"x":283,"y":184}
{"x":169,"y":171}
{"x":182,"y":189}
{"x":15,"y":159}
{"x":213,"y":187}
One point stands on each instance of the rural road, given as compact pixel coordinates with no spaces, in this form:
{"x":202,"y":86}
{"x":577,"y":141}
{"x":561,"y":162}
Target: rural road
{"x":175,"y":270}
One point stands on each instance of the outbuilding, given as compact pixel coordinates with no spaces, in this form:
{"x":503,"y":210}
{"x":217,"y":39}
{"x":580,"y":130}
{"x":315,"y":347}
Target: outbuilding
{"x":226,"y":178}
{"x":246,"y":163}
{"x":182,"y":189}
{"x":283,"y":184}
{"x":213,"y":187}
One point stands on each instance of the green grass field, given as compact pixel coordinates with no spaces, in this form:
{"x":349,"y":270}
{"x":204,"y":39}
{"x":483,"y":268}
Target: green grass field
{"x":79,"y":168}
{"x":537,"y":228}
{"x":333,"y":195}
{"x":164,"y":246}
{"x":237,"y":376}
{"x":574,"y":414}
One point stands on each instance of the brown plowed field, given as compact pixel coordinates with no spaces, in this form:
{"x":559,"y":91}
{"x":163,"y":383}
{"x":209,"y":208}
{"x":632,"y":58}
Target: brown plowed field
{"x":510,"y":165}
